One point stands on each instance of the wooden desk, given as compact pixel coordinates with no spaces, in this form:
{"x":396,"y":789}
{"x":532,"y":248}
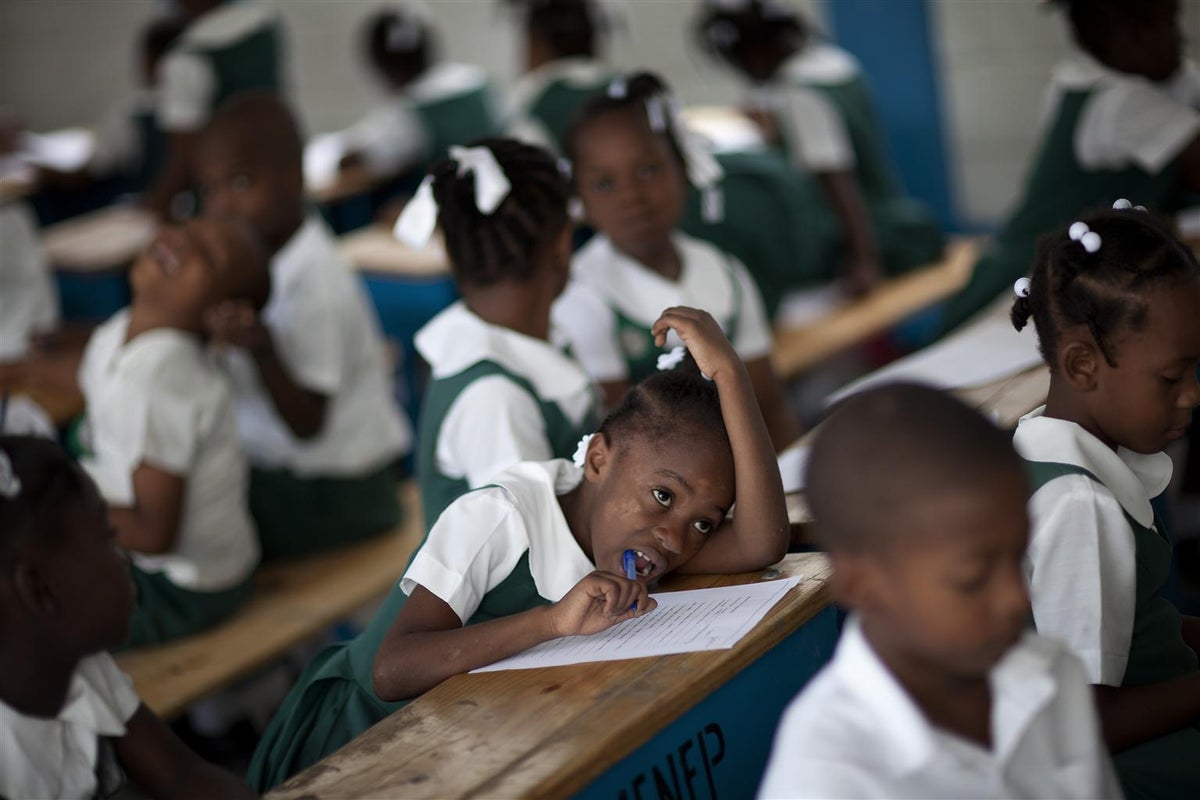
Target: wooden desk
{"x":375,"y":251}
{"x":348,"y":183}
{"x":801,"y":348}
{"x":292,"y":602}
{"x":108,"y":239}
{"x":51,"y":382}
{"x":700,"y":723}
{"x":1007,"y":400}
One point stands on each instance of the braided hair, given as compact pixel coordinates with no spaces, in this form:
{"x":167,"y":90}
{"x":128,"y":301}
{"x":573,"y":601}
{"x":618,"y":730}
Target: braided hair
{"x":664,"y":405}
{"x":625,"y":94}
{"x":1092,"y":21}
{"x":1103,"y":290}
{"x":401,"y":44}
{"x":569,"y":27}
{"x":504,"y":245}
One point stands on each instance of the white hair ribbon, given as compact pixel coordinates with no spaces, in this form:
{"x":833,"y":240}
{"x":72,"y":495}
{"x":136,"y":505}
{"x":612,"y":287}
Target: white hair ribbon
{"x":672,"y":359}
{"x":10,"y":484}
{"x":416,"y":224}
{"x":581,"y":450}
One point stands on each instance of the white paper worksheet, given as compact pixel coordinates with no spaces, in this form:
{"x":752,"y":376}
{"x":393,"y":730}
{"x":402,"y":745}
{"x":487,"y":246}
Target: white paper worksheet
{"x":684,"y":622}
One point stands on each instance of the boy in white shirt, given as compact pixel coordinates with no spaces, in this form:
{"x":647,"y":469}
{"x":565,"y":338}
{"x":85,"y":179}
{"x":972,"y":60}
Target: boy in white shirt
{"x":311,"y":387}
{"x":936,"y":688}
{"x":164,"y":447}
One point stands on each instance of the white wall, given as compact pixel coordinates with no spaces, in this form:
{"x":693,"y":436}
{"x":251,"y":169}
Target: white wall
{"x":62,"y":62}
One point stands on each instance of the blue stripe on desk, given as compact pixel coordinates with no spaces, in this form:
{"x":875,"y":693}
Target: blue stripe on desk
{"x":892,"y":41}
{"x":720,"y":747}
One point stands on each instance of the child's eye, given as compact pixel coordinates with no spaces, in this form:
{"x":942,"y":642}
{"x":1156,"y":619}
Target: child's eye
{"x":602,"y":185}
{"x":647,"y":170}
{"x":704,"y":526}
{"x":1171,"y":380}
{"x":663,"y":497}
{"x":240,"y":183}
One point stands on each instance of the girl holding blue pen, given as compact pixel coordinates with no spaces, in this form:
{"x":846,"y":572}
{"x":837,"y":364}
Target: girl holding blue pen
{"x":553,"y":549}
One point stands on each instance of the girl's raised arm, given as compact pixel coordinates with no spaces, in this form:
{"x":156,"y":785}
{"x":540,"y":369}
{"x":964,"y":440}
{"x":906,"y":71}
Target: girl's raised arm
{"x":757,"y":535}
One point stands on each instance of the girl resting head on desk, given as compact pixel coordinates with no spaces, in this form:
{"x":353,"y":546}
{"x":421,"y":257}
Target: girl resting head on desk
{"x":540,"y":553}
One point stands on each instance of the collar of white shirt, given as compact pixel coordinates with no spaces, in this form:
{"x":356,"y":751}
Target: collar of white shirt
{"x":821,"y":63}
{"x":1022,"y":685}
{"x":1133,"y":478}
{"x":444,"y":80}
{"x":457,"y":338}
{"x":227,"y":24}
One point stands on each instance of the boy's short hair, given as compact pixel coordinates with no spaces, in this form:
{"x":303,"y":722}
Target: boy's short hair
{"x":260,"y":123}
{"x":887,"y":451}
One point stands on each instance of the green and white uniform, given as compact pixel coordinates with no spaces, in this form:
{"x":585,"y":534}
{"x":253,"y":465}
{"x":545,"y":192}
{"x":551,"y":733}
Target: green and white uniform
{"x":606,"y":312}
{"x":827,"y":121}
{"x":234,"y":48}
{"x":497,"y":397}
{"x":495,"y":552}
{"x":456,"y":103}
{"x":545,"y":100}
{"x":1097,"y":562}
{"x":1107,"y":135}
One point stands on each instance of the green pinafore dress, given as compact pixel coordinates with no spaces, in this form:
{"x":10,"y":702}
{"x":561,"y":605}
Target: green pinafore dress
{"x":637,"y":343}
{"x":439,"y":490}
{"x":1057,"y":191}
{"x":250,"y":63}
{"x":1167,"y":767}
{"x":556,"y":105}
{"x":334,"y":701}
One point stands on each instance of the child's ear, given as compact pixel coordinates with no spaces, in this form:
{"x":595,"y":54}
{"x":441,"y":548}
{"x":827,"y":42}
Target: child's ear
{"x":598,"y":459}
{"x":1079,"y":363}
{"x":854,"y":581}
{"x":34,"y":590}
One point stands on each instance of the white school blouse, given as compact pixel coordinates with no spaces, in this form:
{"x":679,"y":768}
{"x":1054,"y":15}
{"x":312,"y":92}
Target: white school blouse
{"x":1081,"y":562}
{"x":854,"y":732}
{"x":482,"y":535}
{"x":390,"y":138}
{"x":28,"y":300}
{"x":612,"y":281}
{"x":814,"y":133}
{"x":187,"y":81}
{"x":59,"y":757}
{"x":1128,"y":119}
{"x":328,"y":338}
{"x":161,"y":400}
{"x":494,"y":423}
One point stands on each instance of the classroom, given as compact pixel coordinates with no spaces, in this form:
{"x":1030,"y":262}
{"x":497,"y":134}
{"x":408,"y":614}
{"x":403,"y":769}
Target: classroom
{"x":617,"y":399}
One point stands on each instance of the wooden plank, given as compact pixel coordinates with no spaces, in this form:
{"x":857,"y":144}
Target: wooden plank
{"x":375,"y":251}
{"x":548,"y":732}
{"x":798,"y":349}
{"x":50,"y":381}
{"x":107,"y":239}
{"x":1007,"y":400}
{"x":292,"y":602}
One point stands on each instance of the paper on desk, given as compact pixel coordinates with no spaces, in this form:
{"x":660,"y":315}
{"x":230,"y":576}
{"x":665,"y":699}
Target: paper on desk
{"x":986,"y":350}
{"x":684,"y":622}
{"x":793,"y":463}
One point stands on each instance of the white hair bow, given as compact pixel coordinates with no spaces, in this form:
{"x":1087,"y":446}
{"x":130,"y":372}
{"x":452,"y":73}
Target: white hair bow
{"x":1087,"y":238}
{"x":703,"y":171}
{"x":416,"y":224}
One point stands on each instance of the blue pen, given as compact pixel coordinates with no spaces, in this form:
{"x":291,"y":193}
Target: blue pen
{"x":629,"y":561}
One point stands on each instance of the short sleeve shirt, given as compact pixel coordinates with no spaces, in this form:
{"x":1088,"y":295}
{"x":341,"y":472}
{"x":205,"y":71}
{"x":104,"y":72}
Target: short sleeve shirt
{"x":328,"y":338}
{"x":480,"y":537}
{"x":60,"y":757}
{"x":1081,"y":561}
{"x":160,"y":400}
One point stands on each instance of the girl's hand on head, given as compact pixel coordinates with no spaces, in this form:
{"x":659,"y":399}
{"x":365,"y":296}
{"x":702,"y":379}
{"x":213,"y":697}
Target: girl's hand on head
{"x":598,"y":602}
{"x":701,"y":335}
{"x":234,"y":323}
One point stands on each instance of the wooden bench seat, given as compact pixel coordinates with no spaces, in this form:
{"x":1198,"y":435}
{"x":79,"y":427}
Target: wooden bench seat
{"x":292,"y":602}
{"x":800,"y":348}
